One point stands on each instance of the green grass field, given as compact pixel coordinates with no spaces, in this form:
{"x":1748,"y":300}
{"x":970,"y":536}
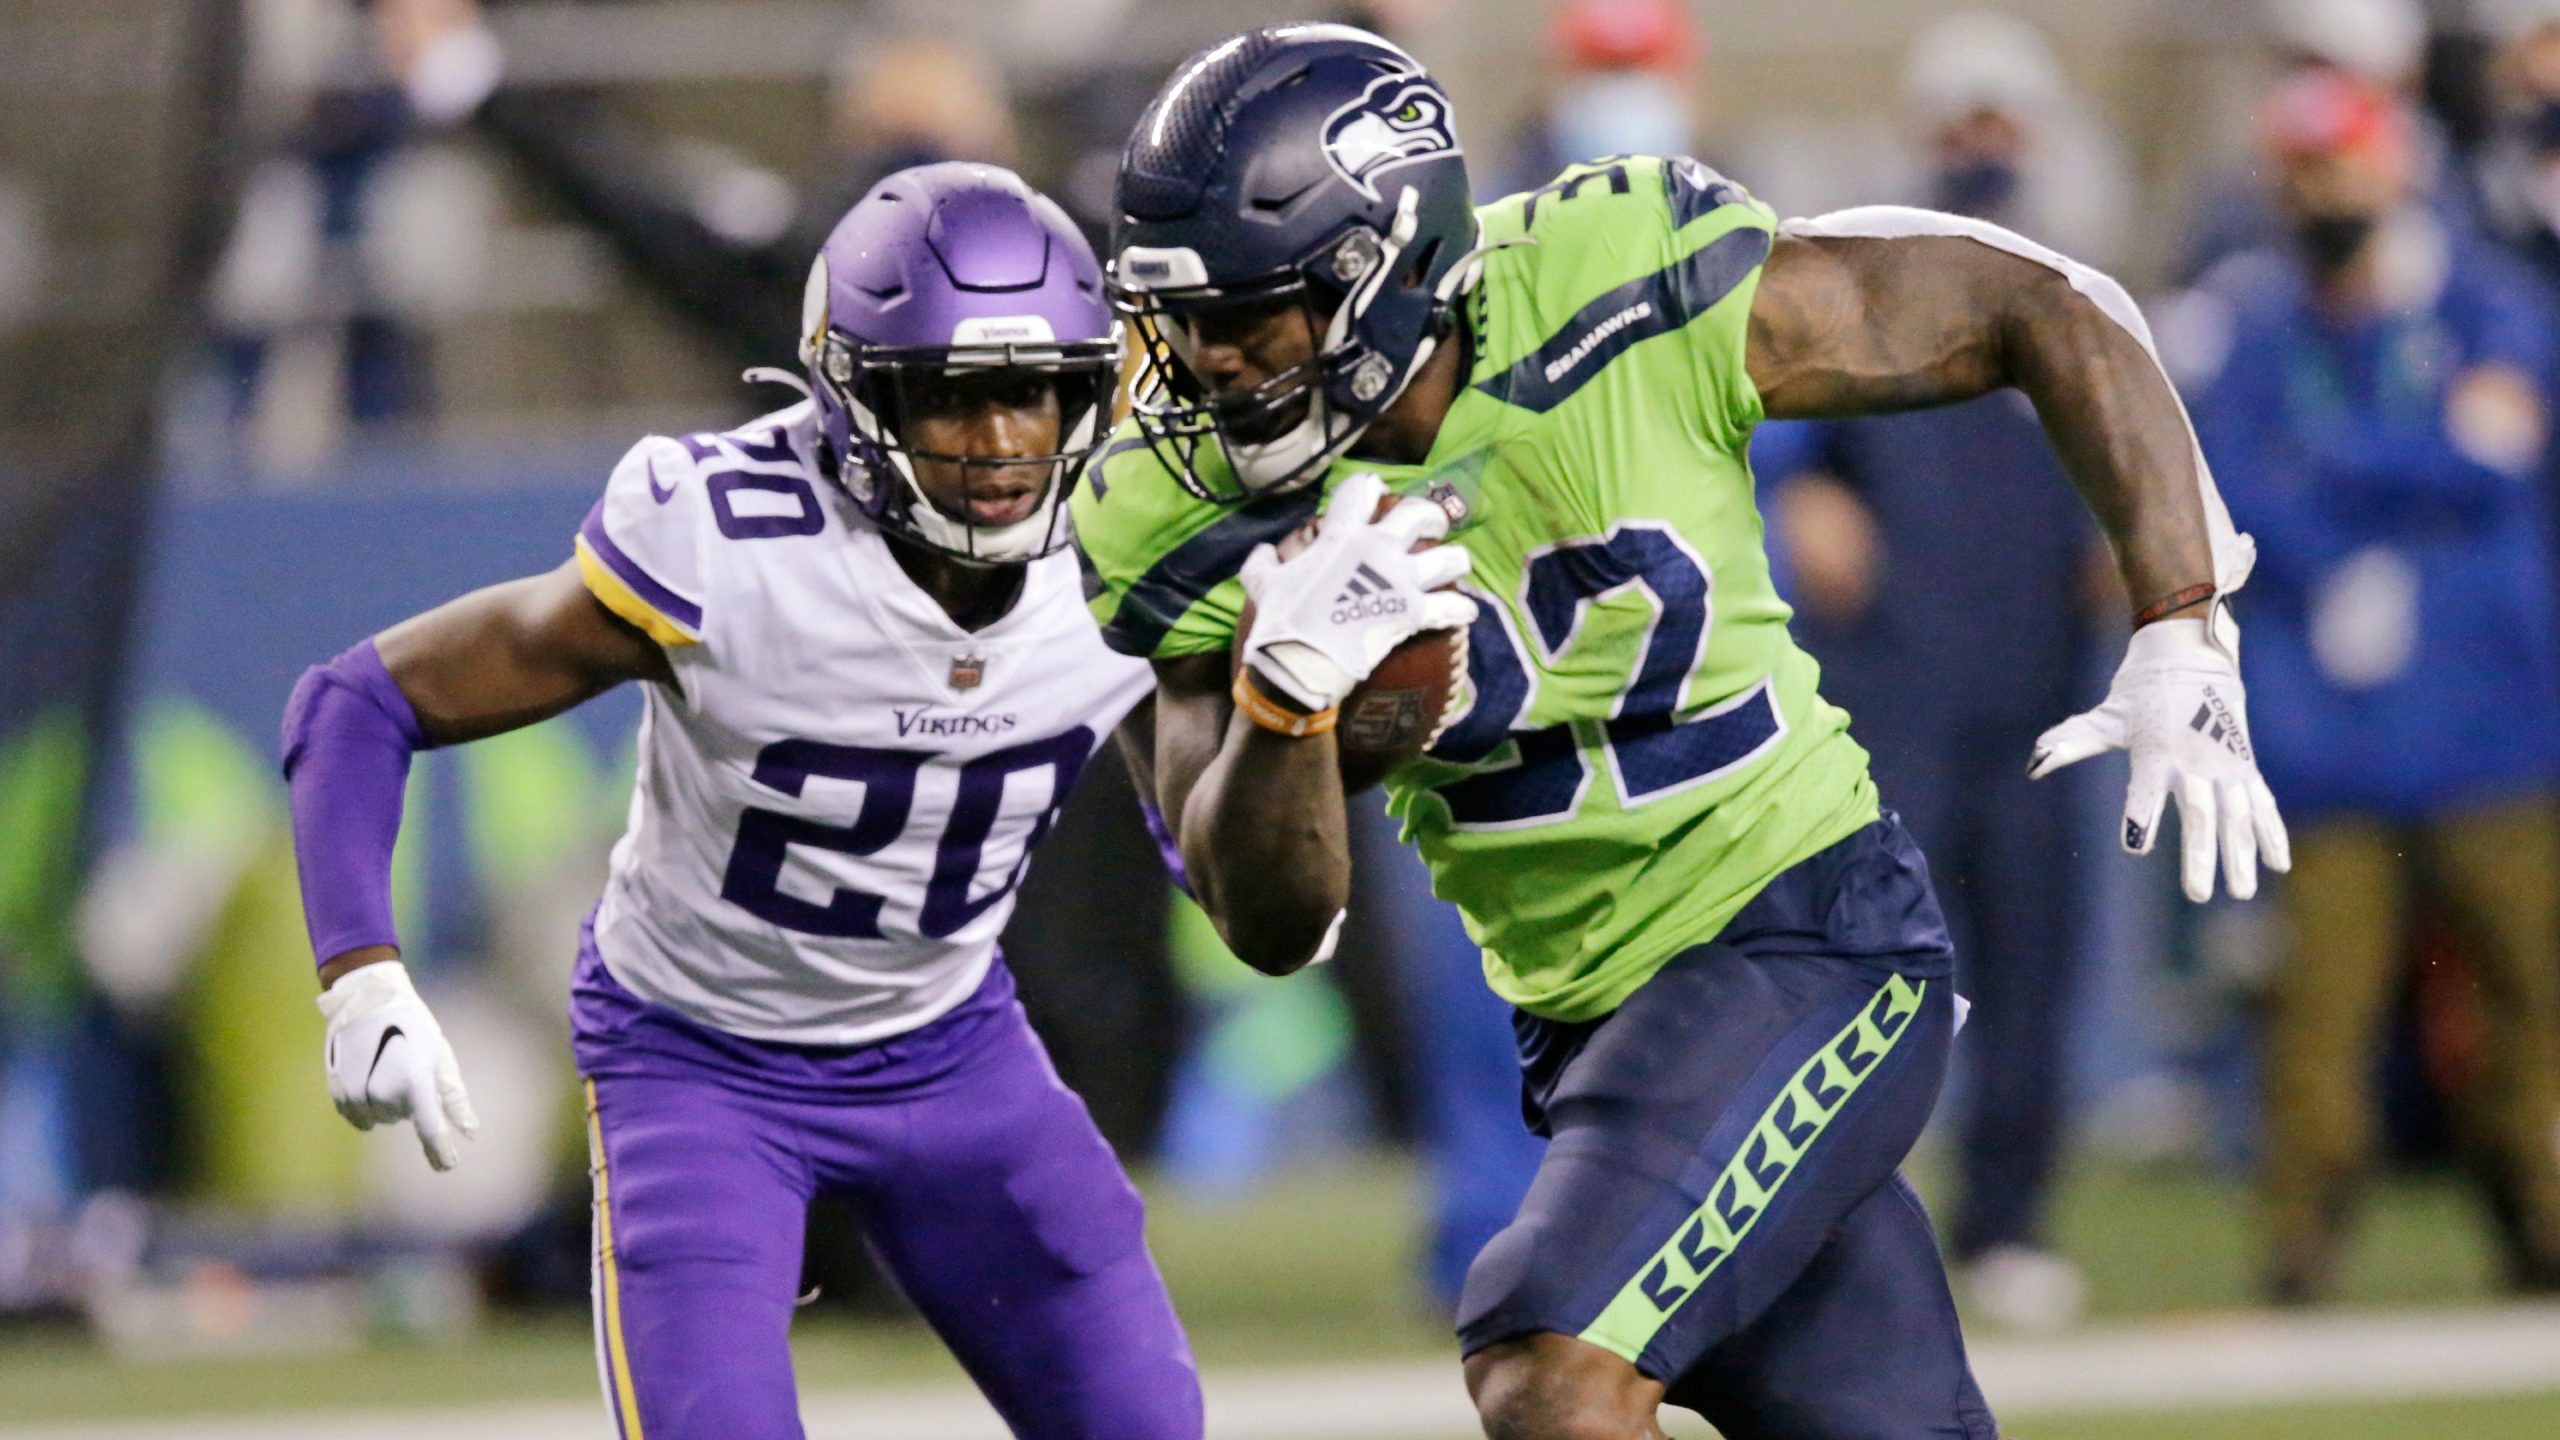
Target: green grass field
{"x":1315,"y":1270}
{"x":2521,"y":1417}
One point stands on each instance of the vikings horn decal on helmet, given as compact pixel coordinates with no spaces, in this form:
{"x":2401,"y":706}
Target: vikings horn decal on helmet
{"x":1308,"y":165}
{"x":945,"y":285}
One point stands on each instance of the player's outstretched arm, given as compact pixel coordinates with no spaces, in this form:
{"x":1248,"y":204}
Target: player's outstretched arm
{"x":514,"y":654}
{"x":1888,"y":309}
{"x":1863,"y":325}
{"x":488,"y":662}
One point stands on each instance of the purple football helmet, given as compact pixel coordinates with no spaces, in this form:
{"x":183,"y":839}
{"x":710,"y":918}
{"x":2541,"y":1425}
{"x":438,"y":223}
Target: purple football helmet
{"x":957,"y":279}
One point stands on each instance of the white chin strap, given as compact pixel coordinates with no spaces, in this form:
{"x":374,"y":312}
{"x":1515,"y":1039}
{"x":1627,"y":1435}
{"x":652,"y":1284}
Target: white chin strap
{"x":1018,"y":541}
{"x":772,"y":375}
{"x":1296,"y":453}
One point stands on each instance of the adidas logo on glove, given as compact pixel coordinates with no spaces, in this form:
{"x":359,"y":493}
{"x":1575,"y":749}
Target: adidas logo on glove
{"x":1367,"y":596}
{"x":2214,"y":721}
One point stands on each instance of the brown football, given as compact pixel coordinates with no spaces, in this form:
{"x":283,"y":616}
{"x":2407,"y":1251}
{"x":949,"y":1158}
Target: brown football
{"x":1393,"y":714}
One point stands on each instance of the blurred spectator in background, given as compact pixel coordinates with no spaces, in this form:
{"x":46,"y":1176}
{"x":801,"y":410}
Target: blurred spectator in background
{"x":2383,"y":42}
{"x":2002,"y":136}
{"x":311,"y":305}
{"x":2375,"y":394}
{"x":2380,"y":42}
{"x":1910,"y":534}
{"x":2520,"y":172}
{"x":2520,"y":177}
{"x":1625,"y":85}
{"x":722,"y":241}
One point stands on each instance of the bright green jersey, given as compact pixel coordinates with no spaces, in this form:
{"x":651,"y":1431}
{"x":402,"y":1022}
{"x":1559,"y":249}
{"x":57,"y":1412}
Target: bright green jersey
{"x":1642,"y":746}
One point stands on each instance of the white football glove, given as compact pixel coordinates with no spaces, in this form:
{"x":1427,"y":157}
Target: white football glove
{"x":2177,"y":707}
{"x":388,"y":1060}
{"x":1325,"y":617}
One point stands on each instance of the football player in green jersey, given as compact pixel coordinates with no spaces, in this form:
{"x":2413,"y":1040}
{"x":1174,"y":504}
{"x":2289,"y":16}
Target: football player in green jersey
{"x":1731,"y":977}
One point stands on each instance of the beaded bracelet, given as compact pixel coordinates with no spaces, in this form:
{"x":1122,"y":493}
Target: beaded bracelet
{"x":2172,"y":603}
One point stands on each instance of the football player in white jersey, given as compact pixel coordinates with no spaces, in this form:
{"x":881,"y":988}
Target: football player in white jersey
{"x":870,"y":681}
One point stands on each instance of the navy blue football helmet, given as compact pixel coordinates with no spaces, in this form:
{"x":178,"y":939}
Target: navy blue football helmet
{"x":1309,"y":164}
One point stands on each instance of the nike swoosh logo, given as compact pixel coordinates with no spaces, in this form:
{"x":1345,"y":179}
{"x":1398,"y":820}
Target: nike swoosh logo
{"x":387,"y":1037}
{"x":661,"y":493}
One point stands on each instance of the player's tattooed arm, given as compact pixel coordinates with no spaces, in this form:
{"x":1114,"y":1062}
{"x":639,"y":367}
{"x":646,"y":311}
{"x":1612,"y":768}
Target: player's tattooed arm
{"x":1258,"y":817}
{"x":513,"y":654}
{"x":1846,"y":326}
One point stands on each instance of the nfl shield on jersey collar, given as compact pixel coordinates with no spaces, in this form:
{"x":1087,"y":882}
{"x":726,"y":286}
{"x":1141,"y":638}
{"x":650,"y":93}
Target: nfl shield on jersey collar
{"x":957,"y":659}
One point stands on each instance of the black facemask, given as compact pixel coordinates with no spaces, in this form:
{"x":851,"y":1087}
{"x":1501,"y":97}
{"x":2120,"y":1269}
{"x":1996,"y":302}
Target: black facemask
{"x":2330,"y":242}
{"x":1981,"y":188}
{"x":2542,"y":127}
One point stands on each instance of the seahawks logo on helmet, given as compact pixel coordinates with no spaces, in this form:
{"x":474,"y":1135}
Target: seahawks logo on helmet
{"x":1402,"y":117}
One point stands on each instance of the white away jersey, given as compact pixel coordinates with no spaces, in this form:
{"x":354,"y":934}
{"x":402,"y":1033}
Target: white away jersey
{"x":835,"y":806}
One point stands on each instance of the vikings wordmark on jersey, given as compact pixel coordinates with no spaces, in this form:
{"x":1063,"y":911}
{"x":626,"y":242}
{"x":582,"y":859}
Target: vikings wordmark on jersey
{"x":839,"y":796}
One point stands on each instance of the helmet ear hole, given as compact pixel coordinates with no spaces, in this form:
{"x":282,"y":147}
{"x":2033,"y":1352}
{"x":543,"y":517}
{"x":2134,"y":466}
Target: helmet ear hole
{"x":1419,"y":273}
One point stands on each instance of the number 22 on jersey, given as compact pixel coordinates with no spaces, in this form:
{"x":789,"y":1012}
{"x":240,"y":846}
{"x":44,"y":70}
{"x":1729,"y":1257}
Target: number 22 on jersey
{"x":1539,"y":774}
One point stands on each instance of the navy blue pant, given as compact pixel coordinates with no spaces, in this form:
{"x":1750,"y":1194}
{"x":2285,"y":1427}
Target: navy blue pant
{"x":2000,"y":847}
{"x":1720,"y":1202}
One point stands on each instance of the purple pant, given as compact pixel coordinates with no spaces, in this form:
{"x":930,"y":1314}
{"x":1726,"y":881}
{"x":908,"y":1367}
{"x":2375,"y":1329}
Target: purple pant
{"x":986,"y":1190}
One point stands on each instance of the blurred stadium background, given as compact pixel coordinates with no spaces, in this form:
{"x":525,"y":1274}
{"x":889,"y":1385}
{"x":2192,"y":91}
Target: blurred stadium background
{"x":310,"y":318}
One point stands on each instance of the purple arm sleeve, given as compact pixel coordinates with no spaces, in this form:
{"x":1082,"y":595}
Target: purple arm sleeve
{"x":348,"y":735}
{"x":1165,"y":845}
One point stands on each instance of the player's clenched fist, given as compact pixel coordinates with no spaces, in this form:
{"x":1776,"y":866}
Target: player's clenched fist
{"x":388,"y":1060}
{"x":1327,"y":615}
{"x":2177,"y":708}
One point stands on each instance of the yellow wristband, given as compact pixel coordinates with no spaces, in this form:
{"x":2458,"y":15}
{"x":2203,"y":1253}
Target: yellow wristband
{"x":1263,"y":711}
